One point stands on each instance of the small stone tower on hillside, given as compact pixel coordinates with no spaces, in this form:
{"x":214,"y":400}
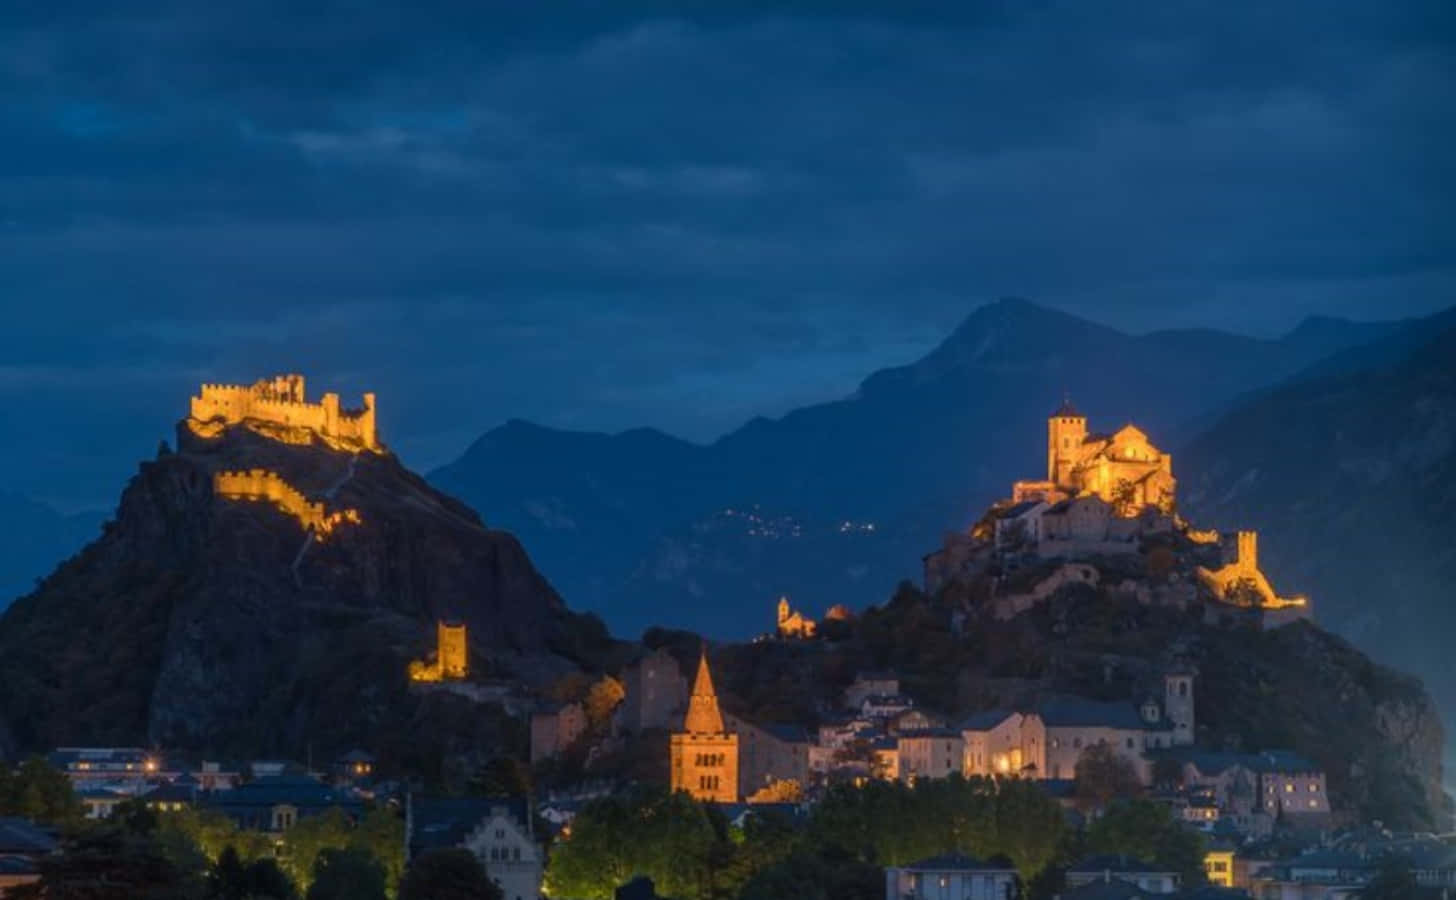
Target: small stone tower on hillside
{"x":704,"y":755}
{"x":1178,"y":704}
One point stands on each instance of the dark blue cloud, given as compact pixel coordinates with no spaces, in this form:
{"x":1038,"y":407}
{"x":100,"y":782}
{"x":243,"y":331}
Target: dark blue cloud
{"x":603,"y":215}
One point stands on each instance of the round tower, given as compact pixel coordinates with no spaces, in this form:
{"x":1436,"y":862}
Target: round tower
{"x":1066,"y":430}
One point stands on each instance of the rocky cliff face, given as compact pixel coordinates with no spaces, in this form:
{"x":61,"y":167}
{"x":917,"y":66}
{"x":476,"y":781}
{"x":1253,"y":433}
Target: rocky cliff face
{"x":200,"y":621}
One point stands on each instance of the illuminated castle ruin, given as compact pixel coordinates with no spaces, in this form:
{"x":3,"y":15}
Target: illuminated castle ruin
{"x":1123,"y":468}
{"x":277,"y":408}
{"x":263,"y":485}
{"x":449,"y":663}
{"x":1240,"y":581}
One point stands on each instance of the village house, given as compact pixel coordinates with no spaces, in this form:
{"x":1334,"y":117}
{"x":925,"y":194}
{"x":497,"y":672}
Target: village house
{"x":656,"y":694}
{"x":1127,"y":869}
{"x":274,"y":803}
{"x":555,"y":728}
{"x":934,"y":753}
{"x":769,"y":754}
{"x":496,"y":830}
{"x":868,"y":684}
{"x":1004,"y":742}
{"x":952,"y":876}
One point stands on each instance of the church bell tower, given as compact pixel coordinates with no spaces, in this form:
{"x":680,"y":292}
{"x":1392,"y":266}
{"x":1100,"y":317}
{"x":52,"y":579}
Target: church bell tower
{"x":1066,"y":430}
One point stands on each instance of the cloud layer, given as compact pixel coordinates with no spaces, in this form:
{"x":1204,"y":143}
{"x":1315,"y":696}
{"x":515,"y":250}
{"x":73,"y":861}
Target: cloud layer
{"x":673,"y":214}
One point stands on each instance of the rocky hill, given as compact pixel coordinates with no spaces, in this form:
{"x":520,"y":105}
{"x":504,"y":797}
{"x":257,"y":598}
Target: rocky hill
{"x":1351,"y":481}
{"x":649,"y":529}
{"x":219,"y":624}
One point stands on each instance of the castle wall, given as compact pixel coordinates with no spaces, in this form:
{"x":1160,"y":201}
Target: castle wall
{"x":1243,"y":572}
{"x":262,"y":484}
{"x":280,"y":402}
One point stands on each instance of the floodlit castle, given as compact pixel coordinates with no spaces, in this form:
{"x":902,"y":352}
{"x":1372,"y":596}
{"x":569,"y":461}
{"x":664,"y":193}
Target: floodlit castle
{"x":705,"y":754}
{"x":277,"y":407}
{"x":1123,"y":468}
{"x":449,"y":663}
{"x":792,"y":623}
{"x":263,"y":485}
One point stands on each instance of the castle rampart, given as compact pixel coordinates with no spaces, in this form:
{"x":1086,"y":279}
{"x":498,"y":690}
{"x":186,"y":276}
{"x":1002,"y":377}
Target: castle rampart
{"x":261,"y":484}
{"x":451,"y":660}
{"x":278,"y":407}
{"x":1242,"y":572}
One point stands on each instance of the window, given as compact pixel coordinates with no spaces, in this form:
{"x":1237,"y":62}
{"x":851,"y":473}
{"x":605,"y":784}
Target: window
{"x":500,"y":834}
{"x":1077,"y":743}
{"x":1313,"y":787}
{"x":1182,"y":689}
{"x":1129,"y":743}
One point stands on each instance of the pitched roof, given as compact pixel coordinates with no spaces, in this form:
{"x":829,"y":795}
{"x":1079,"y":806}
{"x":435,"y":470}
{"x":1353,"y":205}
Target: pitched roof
{"x":274,"y":790}
{"x":986,"y":720}
{"x":1115,"y":889}
{"x":703,"y":715}
{"x":448,"y":821}
{"x":1115,"y":862}
{"x":1077,"y":712}
{"x":22,"y":836}
{"x":1067,"y":410}
{"x":953,"y":862}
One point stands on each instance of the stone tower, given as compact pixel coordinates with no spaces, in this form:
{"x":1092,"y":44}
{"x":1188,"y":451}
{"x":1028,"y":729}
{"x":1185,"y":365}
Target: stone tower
{"x":451,"y":648}
{"x":1178,"y":704}
{"x":704,"y":755}
{"x":1066,"y":430}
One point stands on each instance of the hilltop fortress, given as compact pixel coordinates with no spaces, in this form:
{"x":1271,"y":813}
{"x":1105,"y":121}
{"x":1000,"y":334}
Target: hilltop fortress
{"x":1106,"y":500}
{"x":277,"y":407}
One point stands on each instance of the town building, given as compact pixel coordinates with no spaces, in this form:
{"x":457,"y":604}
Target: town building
{"x":933,"y":753}
{"x":556,"y":728}
{"x":274,"y":803}
{"x":769,"y":754}
{"x":655,"y":694}
{"x":952,"y":876}
{"x":1127,"y":869}
{"x":496,"y":830}
{"x":868,"y":684}
{"x":1004,"y":742}
{"x":704,"y":755}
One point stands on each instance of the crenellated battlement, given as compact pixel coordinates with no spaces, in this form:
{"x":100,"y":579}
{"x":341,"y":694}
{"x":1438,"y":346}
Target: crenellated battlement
{"x":279,"y":408}
{"x":263,"y":485}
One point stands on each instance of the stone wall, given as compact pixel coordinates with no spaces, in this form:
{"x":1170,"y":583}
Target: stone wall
{"x":263,"y":485}
{"x":281,"y":402}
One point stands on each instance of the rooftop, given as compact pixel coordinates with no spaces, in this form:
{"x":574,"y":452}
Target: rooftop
{"x":954,"y":862}
{"x":22,"y":836}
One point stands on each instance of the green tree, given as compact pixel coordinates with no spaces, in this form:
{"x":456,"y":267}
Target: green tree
{"x":1147,"y":830}
{"x":381,"y":833}
{"x":1029,"y":826}
{"x":106,"y":864}
{"x":1103,"y":776}
{"x":38,"y":791}
{"x":644,"y":831}
{"x":1395,"y":881}
{"x":828,"y":874}
{"x":209,"y":830}
{"x":309,"y":837}
{"x":261,"y":879}
{"x":450,"y":873}
{"x":348,"y":874}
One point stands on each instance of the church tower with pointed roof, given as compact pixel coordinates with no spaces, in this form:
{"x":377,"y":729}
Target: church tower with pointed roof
{"x":704,"y":755}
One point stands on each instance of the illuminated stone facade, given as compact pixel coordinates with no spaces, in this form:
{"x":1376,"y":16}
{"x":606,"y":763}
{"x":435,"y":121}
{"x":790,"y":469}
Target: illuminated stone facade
{"x":450,"y":662}
{"x":704,"y":755}
{"x":1240,"y":581}
{"x":277,"y":408}
{"x":792,"y":623}
{"x":262,"y":485}
{"x":1124,"y":468}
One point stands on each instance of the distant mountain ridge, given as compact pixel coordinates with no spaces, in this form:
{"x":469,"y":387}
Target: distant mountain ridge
{"x":36,"y":538}
{"x":636,"y":526}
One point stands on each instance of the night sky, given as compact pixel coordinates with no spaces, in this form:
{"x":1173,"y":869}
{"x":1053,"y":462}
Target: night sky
{"x":486,"y":210}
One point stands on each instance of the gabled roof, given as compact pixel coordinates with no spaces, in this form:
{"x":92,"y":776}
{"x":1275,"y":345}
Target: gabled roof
{"x":985,"y":721}
{"x":448,"y":821}
{"x":277,"y":790}
{"x":1114,"y":889}
{"x":954,"y":862}
{"x":22,"y":837}
{"x":1076,"y":712}
{"x":356,"y":756}
{"x":1119,"y":863}
{"x":1067,"y":410}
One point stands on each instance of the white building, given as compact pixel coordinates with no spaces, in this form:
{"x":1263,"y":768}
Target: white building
{"x":949,"y":877}
{"x":496,"y":830}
